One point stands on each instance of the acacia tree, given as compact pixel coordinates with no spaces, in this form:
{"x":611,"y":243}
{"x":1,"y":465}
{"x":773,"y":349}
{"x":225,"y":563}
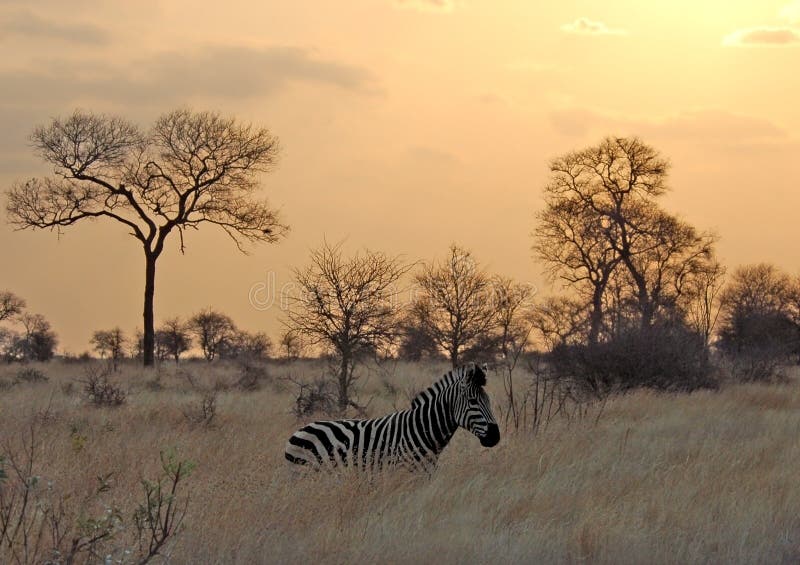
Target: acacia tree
{"x":246,"y":345}
{"x":38,"y":341}
{"x":110,"y":343}
{"x":190,"y":169}
{"x":212,"y":329}
{"x":174,"y":337}
{"x":454,"y":306}
{"x":346,"y":305}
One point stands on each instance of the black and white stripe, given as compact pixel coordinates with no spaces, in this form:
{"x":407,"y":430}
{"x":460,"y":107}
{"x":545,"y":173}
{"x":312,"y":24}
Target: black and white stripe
{"x":413,"y":438}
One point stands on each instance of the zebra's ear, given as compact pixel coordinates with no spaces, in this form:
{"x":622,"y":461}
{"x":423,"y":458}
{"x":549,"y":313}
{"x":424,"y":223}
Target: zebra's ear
{"x":477,"y":375}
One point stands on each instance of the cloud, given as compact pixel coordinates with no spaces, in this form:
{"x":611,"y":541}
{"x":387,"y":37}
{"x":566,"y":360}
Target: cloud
{"x":791,"y":12}
{"x":707,"y":126}
{"x":762,"y":36}
{"x":585,"y":26}
{"x":441,"y":6}
{"x":234,"y":72}
{"x":32,"y":26}
{"x":226,"y":72}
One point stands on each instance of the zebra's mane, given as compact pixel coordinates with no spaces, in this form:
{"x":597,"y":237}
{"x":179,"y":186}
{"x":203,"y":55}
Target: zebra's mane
{"x":449,"y":378}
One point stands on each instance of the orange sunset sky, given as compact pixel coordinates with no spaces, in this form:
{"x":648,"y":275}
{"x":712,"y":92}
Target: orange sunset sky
{"x":405,"y":125}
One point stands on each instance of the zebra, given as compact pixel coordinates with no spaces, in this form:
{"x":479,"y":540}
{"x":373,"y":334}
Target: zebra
{"x":413,"y":438}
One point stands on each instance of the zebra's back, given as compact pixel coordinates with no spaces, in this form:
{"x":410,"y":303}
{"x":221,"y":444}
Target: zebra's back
{"x":360,"y":443}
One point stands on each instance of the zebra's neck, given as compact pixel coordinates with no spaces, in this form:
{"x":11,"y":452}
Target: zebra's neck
{"x":432,"y":412}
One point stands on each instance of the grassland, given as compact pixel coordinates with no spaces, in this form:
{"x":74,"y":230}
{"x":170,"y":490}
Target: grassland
{"x":708,"y":477}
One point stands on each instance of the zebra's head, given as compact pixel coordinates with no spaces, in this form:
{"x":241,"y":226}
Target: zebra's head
{"x":473,"y":411}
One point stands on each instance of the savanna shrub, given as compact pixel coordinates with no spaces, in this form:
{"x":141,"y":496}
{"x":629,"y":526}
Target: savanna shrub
{"x":30,"y":375}
{"x":314,"y":397}
{"x":99,"y":391}
{"x":667,"y":357}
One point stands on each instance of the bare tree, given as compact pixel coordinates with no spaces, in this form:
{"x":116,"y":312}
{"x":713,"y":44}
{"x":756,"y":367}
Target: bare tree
{"x":609,"y":182}
{"x":174,"y":337}
{"x":560,"y":320}
{"x":110,"y":344}
{"x":11,"y":305}
{"x":602,"y":213}
{"x":212,"y":329}
{"x":571,"y":240}
{"x":346,"y":305}
{"x":512,"y":310}
{"x":454,"y":306}
{"x":704,"y":303}
{"x":670,"y":256}
{"x":190,"y":169}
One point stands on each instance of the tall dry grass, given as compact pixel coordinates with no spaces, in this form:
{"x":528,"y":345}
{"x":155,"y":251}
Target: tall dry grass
{"x":708,"y":477}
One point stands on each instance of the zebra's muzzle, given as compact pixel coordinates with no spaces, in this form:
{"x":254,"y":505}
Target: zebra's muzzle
{"x":492,"y":436}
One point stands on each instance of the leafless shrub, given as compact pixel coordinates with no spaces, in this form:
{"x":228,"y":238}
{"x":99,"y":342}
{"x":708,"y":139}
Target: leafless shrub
{"x":159,"y":519}
{"x":202,"y":413}
{"x":154,"y":384}
{"x":552,"y":396}
{"x":47,"y":415}
{"x":30,"y":375}
{"x":320,"y":395}
{"x":68,"y":388}
{"x":189,"y":378}
{"x":536,"y":395}
{"x":251,"y":376}
{"x":99,"y":391}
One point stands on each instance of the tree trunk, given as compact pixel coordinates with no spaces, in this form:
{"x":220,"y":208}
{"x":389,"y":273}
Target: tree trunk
{"x":454,"y":356}
{"x":647,"y":309}
{"x":344,"y":375}
{"x":148,"y":342}
{"x":645,"y":303}
{"x":596,"y":316}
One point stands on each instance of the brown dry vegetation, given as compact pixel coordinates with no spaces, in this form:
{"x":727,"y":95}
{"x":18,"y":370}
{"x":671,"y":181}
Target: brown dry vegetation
{"x":658,"y":478}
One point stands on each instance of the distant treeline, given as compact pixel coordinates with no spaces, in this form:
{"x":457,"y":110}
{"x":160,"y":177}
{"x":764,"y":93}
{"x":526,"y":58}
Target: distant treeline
{"x":642,"y":299}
